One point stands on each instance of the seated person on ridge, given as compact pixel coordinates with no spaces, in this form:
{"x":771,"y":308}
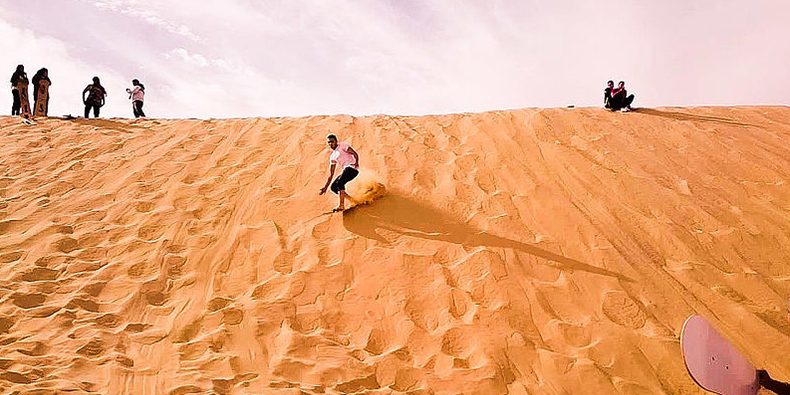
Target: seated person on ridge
{"x":607,"y":94}
{"x":620,"y":98}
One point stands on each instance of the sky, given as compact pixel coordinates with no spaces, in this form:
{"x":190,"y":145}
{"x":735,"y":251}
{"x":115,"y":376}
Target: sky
{"x":244,"y":58}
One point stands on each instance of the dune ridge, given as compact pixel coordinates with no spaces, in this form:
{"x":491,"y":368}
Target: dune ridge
{"x":532,"y":251}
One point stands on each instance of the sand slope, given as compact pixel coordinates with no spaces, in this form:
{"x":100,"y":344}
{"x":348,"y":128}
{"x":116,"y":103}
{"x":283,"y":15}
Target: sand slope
{"x":529,"y":251}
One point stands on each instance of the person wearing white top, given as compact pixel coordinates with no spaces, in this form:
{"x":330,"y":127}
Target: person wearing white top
{"x":137,"y":94}
{"x":345,"y":156}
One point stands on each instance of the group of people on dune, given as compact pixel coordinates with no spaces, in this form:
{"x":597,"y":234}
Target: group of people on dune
{"x":93,"y":96}
{"x":617,"y":98}
{"x":613,"y":98}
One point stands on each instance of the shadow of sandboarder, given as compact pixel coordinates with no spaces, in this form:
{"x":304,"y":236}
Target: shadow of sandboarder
{"x":684,"y":116}
{"x":404,"y":216}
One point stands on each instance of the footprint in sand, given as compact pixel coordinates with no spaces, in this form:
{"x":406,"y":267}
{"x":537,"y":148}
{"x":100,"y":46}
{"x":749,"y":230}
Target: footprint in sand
{"x":17,"y":378}
{"x":455,"y":343}
{"x":144,"y":207}
{"x":137,"y":270}
{"x":283,"y":263}
{"x":155,"y":298}
{"x":84,"y":304}
{"x":377,"y":342}
{"x":108,"y":320}
{"x":6,"y":323}
{"x":28,"y":301}
{"x":40,"y":274}
{"x":218,"y":303}
{"x":11,"y":256}
{"x":66,"y":245}
{"x":175,"y":265}
{"x":94,"y":348}
{"x":8,"y":226}
{"x":94,"y":289}
{"x":185,"y":389}
{"x":622,"y":310}
{"x":151,"y":232}
{"x":232,"y":316}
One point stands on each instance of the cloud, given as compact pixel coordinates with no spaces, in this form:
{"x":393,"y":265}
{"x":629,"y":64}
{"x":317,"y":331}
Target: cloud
{"x":69,"y":75}
{"x":182,"y":54}
{"x":133,"y":8}
{"x":300,"y":57}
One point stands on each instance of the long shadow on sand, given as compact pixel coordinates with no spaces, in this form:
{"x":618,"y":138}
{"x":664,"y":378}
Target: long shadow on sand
{"x":682,"y":116}
{"x":403,"y":216}
{"x":130,"y":126}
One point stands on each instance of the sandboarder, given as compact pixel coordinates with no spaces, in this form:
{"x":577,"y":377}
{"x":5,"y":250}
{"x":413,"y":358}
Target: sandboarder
{"x":18,"y":77}
{"x":41,"y":83}
{"x":136,"y":95}
{"x":620,"y":98}
{"x":778,"y":387}
{"x":95,"y":100}
{"x":348,"y":159}
{"x":607,"y":94}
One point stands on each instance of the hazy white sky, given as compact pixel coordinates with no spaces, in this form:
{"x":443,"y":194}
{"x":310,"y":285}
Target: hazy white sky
{"x":235,"y":58}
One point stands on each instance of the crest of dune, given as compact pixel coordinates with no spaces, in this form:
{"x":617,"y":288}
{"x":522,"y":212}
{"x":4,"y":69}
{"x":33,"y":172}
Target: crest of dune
{"x":533,"y":251}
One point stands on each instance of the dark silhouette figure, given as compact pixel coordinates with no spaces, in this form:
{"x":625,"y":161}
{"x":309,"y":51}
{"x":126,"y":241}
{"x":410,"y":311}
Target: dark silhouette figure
{"x":18,"y":76}
{"x":41,"y":75}
{"x":620,"y":98}
{"x":607,"y":94}
{"x":95,"y":100}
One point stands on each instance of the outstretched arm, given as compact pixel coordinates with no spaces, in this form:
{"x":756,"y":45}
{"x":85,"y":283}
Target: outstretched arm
{"x":778,"y":387}
{"x":329,"y":179}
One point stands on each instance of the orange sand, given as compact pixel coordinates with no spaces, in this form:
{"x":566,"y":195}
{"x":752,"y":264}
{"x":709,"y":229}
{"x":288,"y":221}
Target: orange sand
{"x":526,"y":252}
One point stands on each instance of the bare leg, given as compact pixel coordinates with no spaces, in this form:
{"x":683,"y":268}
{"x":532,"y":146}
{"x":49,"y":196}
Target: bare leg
{"x":342,"y":195}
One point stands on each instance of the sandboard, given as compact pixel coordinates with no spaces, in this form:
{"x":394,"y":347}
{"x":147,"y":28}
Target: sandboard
{"x":713,"y":362}
{"x":24,"y":111}
{"x":41,"y":101}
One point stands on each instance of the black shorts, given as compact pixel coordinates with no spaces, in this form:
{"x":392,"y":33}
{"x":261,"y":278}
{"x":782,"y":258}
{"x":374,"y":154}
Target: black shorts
{"x":348,"y":174}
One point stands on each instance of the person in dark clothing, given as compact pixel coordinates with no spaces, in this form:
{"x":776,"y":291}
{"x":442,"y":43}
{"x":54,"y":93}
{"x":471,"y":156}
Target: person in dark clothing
{"x":95,"y":100}
{"x":620,"y":98}
{"x":137,"y":94}
{"x":607,"y":94}
{"x":41,"y":75}
{"x":18,"y":76}
{"x":777,"y":387}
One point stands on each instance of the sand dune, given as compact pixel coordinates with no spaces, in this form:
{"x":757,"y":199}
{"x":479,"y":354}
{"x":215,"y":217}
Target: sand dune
{"x":525,"y":252}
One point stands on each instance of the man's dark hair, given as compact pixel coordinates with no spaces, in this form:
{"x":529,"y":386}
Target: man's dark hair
{"x":610,"y":82}
{"x":621,"y":82}
{"x":331,"y":136}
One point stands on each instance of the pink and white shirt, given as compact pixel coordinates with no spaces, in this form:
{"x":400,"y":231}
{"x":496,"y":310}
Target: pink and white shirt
{"x":341,"y":156}
{"x":137,"y":93}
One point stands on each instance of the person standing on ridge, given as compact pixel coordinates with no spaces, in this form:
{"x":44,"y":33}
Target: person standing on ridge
{"x":348,"y":159}
{"x":41,"y":75}
{"x":137,"y":94}
{"x":95,"y":100}
{"x":18,"y":76}
{"x":620,"y":98}
{"x":607,"y":94}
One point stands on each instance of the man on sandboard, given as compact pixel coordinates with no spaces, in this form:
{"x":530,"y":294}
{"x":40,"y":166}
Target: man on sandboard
{"x":348,"y":159}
